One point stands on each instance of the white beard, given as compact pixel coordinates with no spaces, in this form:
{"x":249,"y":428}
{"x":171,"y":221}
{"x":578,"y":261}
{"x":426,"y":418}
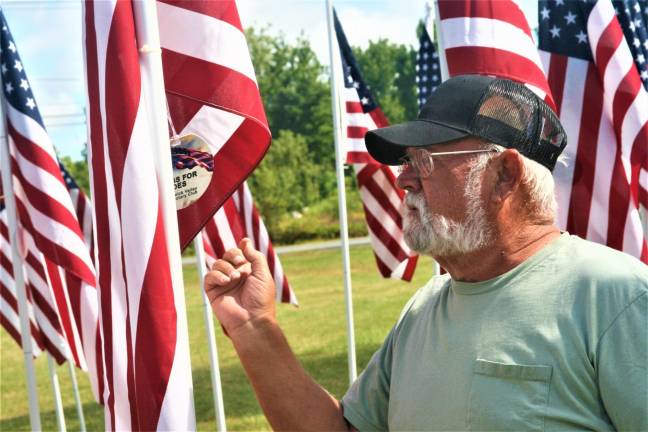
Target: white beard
{"x":437,"y":235}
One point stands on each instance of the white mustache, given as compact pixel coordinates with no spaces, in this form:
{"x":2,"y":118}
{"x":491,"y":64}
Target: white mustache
{"x":416,"y":200}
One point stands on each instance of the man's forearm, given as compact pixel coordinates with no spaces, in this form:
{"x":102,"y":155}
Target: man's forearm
{"x":289,"y":397}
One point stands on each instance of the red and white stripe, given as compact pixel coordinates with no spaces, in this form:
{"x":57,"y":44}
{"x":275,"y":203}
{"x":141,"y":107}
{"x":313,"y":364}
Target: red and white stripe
{"x":148,"y":382}
{"x":212,"y":92}
{"x":61,"y":275}
{"x":491,"y":38}
{"x":604,"y":109}
{"x":381,"y":199}
{"x":239,"y":218}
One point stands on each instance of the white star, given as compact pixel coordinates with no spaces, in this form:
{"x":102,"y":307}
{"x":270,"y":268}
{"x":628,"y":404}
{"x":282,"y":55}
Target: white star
{"x":4,"y":27}
{"x":30,"y":103}
{"x":435,"y":78}
{"x":645,"y":44}
{"x":570,"y":18}
{"x":425,"y":67}
{"x":616,"y":11}
{"x":18,"y":66}
{"x":435,"y":66}
{"x":9,"y":87}
{"x":417,"y":67}
{"x":636,"y":42}
{"x":631,"y":26}
{"x":426,"y":44}
{"x":641,"y":59}
{"x":545,"y":13}
{"x":582,"y":37}
{"x":627,"y":11}
{"x":637,"y":22}
{"x":24,"y":84}
{"x":356,"y":85}
{"x":644,"y":75}
{"x":12,"y":47}
{"x":555,"y":31}
{"x":424,"y":78}
{"x":423,"y":90}
{"x":560,"y":2}
{"x":425,"y":56}
{"x":418,"y":56}
{"x":350,"y":79}
{"x":636,"y":7}
{"x":435,"y":55}
{"x":4,"y":69}
{"x":417,"y":78}
{"x":364,"y":101}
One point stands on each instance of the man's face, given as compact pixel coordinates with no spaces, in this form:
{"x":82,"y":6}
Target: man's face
{"x":445,"y":215}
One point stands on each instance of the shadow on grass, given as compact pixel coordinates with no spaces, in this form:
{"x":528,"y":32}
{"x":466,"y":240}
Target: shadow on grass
{"x":328,"y":370}
{"x":92,"y":412}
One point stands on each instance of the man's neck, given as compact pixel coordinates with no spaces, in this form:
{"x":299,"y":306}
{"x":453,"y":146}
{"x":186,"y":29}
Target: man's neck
{"x":508,"y":250}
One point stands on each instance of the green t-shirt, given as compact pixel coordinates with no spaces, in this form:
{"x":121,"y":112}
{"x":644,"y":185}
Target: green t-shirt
{"x":559,"y":342}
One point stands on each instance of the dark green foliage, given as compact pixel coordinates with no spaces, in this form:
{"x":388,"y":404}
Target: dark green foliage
{"x":389,"y":71}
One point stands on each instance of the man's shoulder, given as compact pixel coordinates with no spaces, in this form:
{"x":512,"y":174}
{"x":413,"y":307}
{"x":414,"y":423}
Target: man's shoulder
{"x":597,"y":261}
{"x":429,"y":293}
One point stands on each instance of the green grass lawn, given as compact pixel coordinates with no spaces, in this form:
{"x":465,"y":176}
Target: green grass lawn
{"x":316,"y":331}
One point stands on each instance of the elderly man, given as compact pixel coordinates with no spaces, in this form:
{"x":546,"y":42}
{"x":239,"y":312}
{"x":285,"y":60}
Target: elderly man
{"x":533,"y":329}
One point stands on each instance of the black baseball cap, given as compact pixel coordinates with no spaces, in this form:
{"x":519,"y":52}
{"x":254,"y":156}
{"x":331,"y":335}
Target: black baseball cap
{"x":496,"y":110}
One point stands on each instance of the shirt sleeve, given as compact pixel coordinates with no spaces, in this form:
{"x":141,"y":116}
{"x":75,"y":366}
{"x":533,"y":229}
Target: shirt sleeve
{"x":623,"y":367}
{"x":366,"y":403}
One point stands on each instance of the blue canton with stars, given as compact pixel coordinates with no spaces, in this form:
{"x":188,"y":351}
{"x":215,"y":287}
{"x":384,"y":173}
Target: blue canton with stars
{"x":351,"y":70}
{"x":69,"y":181}
{"x":428,"y":72}
{"x":563,"y":29}
{"x":15,"y":85}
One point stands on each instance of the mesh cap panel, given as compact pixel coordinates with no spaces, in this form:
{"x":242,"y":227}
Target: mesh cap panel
{"x":512,"y":116}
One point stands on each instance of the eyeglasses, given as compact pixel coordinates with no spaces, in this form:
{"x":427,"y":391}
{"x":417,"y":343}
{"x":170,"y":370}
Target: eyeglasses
{"x":422,"y":161}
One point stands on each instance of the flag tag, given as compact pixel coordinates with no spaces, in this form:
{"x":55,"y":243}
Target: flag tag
{"x":193,"y":167}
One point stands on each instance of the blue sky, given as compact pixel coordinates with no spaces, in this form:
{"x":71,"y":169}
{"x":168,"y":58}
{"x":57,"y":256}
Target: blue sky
{"x":49,"y":40}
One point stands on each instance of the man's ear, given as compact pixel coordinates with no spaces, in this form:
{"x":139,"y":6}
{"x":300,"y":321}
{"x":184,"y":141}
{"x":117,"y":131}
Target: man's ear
{"x":508,"y":167}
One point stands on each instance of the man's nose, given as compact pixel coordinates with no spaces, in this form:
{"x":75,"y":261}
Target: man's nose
{"x":409,"y":180}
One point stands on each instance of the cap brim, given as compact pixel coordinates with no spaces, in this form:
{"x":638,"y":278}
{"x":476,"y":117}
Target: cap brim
{"x":387,"y":145}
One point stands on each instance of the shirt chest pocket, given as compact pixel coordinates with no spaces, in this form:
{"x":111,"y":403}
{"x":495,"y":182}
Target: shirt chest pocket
{"x":508,"y":396}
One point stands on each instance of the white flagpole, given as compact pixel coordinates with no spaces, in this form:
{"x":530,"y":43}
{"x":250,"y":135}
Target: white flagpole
{"x":217,"y":389}
{"x":430,"y":22}
{"x":77,"y":397}
{"x":339,"y":169}
{"x":440,"y":44}
{"x":148,"y":39}
{"x":16,"y":259}
{"x":58,"y":403}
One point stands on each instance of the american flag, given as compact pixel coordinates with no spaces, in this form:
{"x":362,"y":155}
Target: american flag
{"x":212,"y":92}
{"x":491,"y":38}
{"x":428,"y":70}
{"x":238,"y":218}
{"x":60,"y":272}
{"x":148,"y":383}
{"x":596,"y":80}
{"x":381,"y":198}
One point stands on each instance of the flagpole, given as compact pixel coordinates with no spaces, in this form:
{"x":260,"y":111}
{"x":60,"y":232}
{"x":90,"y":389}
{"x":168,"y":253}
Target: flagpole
{"x":339,"y":169}
{"x":430,"y":23}
{"x":148,"y":39}
{"x":217,"y":389}
{"x":56,"y":389}
{"x":17,"y":264}
{"x":440,"y":44}
{"x":77,"y":397}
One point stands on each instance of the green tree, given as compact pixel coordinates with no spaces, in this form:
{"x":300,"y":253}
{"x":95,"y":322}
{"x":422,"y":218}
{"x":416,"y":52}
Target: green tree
{"x":286,"y":180}
{"x":295,"y":91}
{"x":389,"y":71}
